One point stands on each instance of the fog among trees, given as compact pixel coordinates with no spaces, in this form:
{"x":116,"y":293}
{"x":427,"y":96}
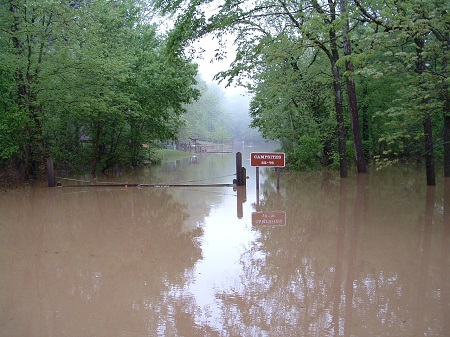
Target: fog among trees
{"x":219,"y":115}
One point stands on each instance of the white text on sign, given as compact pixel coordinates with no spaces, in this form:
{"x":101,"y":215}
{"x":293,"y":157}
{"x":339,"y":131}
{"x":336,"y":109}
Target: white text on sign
{"x":270,"y":159}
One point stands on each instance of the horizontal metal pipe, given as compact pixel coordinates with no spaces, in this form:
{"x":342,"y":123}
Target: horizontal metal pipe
{"x":151,"y":185}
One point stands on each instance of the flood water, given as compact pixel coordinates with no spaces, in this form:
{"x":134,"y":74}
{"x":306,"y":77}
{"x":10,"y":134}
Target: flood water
{"x":363,"y":256}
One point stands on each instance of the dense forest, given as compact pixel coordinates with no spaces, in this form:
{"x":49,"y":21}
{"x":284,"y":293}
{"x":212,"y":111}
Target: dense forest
{"x":86,"y":83}
{"x":338,"y":82}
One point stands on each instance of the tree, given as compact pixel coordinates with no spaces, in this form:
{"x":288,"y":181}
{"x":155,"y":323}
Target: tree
{"x":27,"y":33}
{"x":256,"y":26}
{"x":292,"y":103}
{"x":86,"y":83}
{"x":421,"y":23}
{"x":351,"y":90}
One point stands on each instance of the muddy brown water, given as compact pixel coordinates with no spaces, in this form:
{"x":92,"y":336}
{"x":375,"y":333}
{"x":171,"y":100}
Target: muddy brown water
{"x":364,"y":256}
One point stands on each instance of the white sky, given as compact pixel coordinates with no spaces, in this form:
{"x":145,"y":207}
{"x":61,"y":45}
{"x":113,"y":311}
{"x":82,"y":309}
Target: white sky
{"x":208,"y":66}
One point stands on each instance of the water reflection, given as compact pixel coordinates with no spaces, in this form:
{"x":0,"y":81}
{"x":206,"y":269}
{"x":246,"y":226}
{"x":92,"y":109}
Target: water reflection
{"x":98,"y":259}
{"x":365,"y":256}
{"x":444,"y":264}
{"x":241,"y":199}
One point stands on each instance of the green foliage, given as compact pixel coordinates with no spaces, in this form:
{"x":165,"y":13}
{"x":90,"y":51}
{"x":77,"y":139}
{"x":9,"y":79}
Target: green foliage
{"x":10,"y":117}
{"x":11,"y":138}
{"x":90,"y":82}
{"x":271,"y":45}
{"x":87,"y":83}
{"x":284,"y":48}
{"x":292,"y":103}
{"x":307,"y":155}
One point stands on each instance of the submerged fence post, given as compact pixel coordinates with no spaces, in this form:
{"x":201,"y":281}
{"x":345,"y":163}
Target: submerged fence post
{"x":240,"y":171}
{"x":50,"y":173}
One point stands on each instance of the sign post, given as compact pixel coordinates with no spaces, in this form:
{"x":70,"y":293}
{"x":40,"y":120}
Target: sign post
{"x":267,"y":159}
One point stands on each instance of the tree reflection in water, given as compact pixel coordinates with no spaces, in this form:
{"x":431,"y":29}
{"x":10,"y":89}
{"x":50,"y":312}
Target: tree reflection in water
{"x":364,"y":256}
{"x":336,"y":270}
{"x":99,"y":261}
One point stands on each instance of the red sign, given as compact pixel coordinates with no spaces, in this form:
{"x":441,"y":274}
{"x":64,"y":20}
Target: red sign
{"x":274,"y":218}
{"x":271,"y":159}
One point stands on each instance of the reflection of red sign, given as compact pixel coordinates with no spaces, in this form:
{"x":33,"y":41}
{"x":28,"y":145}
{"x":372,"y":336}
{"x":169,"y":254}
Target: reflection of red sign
{"x":271,"y":159}
{"x":275,"y":218}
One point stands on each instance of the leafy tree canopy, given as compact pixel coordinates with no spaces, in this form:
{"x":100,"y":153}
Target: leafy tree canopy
{"x":86,"y":82}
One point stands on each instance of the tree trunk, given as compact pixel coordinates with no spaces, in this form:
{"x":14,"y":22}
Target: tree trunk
{"x":343,"y":168}
{"x":427,"y":124}
{"x":292,"y":125}
{"x":351,"y":92}
{"x":446,"y":111}
{"x":292,"y":131}
{"x":29,"y":168}
{"x":357,"y":138}
{"x":447,"y":143}
{"x":334,"y":57}
{"x":429,"y":152}
{"x":33,"y":149}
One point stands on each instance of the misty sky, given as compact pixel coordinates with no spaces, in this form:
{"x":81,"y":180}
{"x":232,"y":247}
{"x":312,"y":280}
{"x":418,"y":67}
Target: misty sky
{"x":208,"y":67}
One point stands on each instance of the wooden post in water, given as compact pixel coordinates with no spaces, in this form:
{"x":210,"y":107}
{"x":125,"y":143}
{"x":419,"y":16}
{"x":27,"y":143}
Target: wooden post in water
{"x":50,"y":173}
{"x":240,"y":171}
{"x":244,"y":176}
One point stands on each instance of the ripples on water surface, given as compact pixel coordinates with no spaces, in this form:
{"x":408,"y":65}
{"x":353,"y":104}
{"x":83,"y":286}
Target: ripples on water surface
{"x":358,"y":257}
